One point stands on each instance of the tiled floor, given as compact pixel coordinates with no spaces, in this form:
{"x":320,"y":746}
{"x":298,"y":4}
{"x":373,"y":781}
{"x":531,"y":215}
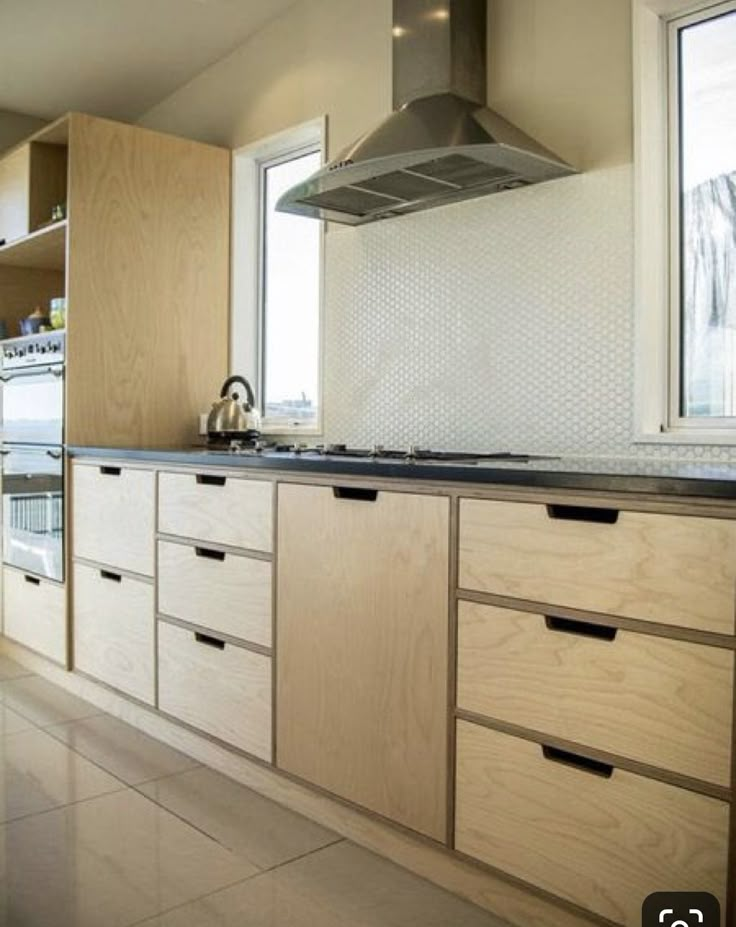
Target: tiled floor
{"x":102,"y":826}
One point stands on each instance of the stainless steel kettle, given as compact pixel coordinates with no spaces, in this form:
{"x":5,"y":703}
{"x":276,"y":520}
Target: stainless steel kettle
{"x":232,"y":417}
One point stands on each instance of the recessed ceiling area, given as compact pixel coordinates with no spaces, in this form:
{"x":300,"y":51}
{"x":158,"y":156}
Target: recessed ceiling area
{"x":115,"y":58}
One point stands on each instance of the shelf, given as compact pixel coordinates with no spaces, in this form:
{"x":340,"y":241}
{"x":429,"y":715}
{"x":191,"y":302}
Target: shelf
{"x":44,"y":249}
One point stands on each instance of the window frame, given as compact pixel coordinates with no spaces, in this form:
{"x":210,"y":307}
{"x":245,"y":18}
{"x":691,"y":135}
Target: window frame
{"x":657,"y":226}
{"x":247,"y":327}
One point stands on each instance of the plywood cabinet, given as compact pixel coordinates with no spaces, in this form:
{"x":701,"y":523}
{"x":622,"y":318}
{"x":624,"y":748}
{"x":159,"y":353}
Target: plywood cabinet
{"x":362,"y":648}
{"x":220,"y":688}
{"x":595,"y":692}
{"x":114,"y":630}
{"x":603,"y":838}
{"x":143,"y":260}
{"x":35,"y":613}
{"x":114,"y":516}
{"x":673,"y":569}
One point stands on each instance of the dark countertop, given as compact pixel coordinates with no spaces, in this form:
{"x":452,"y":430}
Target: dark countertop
{"x":665,"y":477}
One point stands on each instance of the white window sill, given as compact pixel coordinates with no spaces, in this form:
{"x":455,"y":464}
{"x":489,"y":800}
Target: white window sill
{"x":688,"y":437}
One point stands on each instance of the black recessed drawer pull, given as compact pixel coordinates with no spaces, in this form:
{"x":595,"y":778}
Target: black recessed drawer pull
{"x":113,"y":577}
{"x":209,"y":554}
{"x":583,"y":763}
{"x":583,"y":513}
{"x":207,"y":479}
{"x":209,"y":641}
{"x":583,"y":628}
{"x":355,"y":492}
{"x":33,"y":580}
{"x":110,"y":471}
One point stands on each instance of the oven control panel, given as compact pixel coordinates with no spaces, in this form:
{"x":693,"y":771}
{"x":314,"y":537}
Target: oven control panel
{"x":33,"y":350}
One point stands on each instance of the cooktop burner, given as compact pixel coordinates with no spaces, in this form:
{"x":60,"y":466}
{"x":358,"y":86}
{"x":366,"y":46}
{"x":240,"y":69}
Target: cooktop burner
{"x":377,"y":452}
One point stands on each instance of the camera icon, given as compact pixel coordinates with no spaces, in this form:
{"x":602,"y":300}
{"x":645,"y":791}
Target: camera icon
{"x":681,"y":909}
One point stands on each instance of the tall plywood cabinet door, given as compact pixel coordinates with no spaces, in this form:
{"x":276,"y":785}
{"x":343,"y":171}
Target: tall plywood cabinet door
{"x":149,"y":249}
{"x":362,"y":648}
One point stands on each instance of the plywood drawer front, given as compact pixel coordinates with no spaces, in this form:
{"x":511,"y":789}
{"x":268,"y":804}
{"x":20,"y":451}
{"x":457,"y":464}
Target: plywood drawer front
{"x":216,"y":508}
{"x":114,"y":630}
{"x":35,"y":613}
{"x":224,"y":592}
{"x":602,"y":843}
{"x":674,"y":569}
{"x":113,"y":516}
{"x":225,"y":691}
{"x":659,"y":701}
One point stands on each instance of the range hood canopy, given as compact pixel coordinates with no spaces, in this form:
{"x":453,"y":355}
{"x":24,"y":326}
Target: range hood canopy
{"x":441,"y":144}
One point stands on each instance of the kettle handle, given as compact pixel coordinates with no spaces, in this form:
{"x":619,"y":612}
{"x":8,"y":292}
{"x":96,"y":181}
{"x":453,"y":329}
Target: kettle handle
{"x":248,"y":391}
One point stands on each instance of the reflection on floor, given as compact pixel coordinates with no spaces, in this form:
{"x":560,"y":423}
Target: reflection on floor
{"x":102,"y":826}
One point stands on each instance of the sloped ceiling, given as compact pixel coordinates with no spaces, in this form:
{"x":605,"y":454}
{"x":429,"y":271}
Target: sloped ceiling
{"x":115,"y":58}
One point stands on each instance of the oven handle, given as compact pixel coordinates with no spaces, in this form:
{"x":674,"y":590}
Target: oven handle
{"x":55,"y":371}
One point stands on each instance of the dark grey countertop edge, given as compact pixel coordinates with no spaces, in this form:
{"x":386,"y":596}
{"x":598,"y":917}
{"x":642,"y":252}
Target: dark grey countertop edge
{"x":707,"y":485}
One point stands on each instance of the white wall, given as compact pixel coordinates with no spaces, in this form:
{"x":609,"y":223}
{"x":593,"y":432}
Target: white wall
{"x":502,"y":322}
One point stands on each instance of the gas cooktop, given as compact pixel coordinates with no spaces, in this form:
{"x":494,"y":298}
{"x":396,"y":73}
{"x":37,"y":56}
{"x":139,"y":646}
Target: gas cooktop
{"x":378,"y":452}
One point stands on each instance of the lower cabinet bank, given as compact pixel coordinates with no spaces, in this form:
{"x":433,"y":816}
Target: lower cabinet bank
{"x":538,"y":681}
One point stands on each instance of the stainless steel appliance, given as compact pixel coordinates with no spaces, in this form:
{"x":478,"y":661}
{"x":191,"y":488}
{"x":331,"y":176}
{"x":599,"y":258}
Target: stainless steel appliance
{"x":33,"y":389}
{"x":412,"y":454}
{"x":33,"y":509}
{"x":441,"y":144}
{"x":33,"y":453}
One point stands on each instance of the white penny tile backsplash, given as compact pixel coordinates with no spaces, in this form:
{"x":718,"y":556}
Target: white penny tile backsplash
{"x":503,"y":323}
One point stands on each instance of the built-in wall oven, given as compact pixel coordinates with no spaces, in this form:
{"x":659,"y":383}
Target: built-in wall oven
{"x":33,"y":453}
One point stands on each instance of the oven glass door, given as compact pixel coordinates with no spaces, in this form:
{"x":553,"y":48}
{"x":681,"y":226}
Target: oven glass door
{"x":33,"y":405}
{"x":33,"y":510}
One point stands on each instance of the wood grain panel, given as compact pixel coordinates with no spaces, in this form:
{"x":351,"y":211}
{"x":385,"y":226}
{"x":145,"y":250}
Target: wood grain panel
{"x":362,"y":649}
{"x":230,"y":510}
{"x":113,"y":516}
{"x":227,"y":593}
{"x":35,"y":614}
{"x":225,"y":692}
{"x":603,"y":843}
{"x":15,"y":173}
{"x":671,"y":569}
{"x":658,"y":701}
{"x":148,"y":284}
{"x":114,"y":631}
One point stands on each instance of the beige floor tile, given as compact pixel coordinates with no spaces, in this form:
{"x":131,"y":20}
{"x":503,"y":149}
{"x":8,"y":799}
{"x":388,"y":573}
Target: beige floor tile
{"x":121,"y":749}
{"x":42,"y":702}
{"x":38,"y":773}
{"x":9,"y":669}
{"x":12,"y":723}
{"x":339,"y":886}
{"x":108,"y":862}
{"x":238,"y":818}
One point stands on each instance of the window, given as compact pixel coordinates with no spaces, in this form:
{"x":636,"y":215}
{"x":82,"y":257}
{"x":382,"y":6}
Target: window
{"x":686,"y":219}
{"x":703,"y":96}
{"x":277,"y":281}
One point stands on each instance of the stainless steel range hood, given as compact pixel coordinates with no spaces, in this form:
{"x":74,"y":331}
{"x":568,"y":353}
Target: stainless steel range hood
{"x":441,"y":144}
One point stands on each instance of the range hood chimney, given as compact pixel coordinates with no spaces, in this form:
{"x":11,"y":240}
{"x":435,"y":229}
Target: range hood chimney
{"x":441,"y":144}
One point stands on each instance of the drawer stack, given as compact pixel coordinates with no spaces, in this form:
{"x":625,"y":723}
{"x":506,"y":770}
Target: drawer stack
{"x":113,"y":550}
{"x":595,"y":699}
{"x":215,"y":548}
